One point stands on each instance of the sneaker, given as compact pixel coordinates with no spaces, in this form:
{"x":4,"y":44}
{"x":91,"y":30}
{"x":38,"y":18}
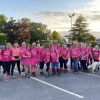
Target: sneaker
{"x":75,"y":72}
{"x":5,"y":78}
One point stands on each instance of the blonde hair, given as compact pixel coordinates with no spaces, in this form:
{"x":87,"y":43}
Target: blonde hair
{"x":16,"y":44}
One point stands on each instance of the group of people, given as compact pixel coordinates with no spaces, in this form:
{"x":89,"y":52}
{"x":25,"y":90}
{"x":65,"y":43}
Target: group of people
{"x":54,"y":57}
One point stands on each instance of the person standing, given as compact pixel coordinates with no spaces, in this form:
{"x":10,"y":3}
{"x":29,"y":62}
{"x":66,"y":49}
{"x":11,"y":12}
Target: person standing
{"x":34,"y":58}
{"x":96,"y":54}
{"x":75,"y":54}
{"x":27,"y":61}
{"x":55,"y":61}
{"x":47,"y":60}
{"x":15,"y":54}
{"x":6,"y":58}
{"x":84,"y":57}
{"x":65,"y":57}
{"x":42,"y":59}
{"x":22,"y":49}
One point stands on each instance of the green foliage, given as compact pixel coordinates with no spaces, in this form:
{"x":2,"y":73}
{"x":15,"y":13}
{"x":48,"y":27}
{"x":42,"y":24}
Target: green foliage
{"x":93,"y":43}
{"x":55,"y":36}
{"x":80,"y":31}
{"x":2,"y":38}
{"x":44,"y":42}
{"x":38,"y":32}
{"x":2,"y":23}
{"x":25,"y":20}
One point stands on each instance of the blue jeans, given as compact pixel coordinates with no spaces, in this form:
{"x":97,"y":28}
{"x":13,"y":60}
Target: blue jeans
{"x":55,"y":64}
{"x":75,"y":65}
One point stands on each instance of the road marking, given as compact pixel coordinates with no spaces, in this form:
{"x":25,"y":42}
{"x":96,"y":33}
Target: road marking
{"x":56,"y":87}
{"x":90,"y":74}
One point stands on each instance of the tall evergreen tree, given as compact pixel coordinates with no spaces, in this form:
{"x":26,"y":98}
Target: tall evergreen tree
{"x":80,"y":31}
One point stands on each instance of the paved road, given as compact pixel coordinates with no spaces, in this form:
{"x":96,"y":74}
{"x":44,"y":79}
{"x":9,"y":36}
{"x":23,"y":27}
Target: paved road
{"x":68,"y":86}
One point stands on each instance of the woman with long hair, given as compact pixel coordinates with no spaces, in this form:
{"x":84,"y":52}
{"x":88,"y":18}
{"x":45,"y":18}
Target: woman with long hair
{"x":15,"y":56}
{"x":27,"y":61}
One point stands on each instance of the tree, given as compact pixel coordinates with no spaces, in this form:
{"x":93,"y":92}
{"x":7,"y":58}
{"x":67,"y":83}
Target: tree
{"x":2,"y":38}
{"x":17,"y":31}
{"x":55,"y":36}
{"x":25,"y":20}
{"x":38,"y":32}
{"x":80,"y":31}
{"x":2,"y":23}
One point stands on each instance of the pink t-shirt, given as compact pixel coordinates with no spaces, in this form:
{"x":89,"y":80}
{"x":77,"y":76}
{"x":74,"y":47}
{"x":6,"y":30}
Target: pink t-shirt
{"x":34,"y":53}
{"x":38,"y":53}
{"x":65,"y":53}
{"x":26,"y":55}
{"x":54,"y":56}
{"x":84,"y":53}
{"x":0,"y":54}
{"x":47,"y":56}
{"x":42,"y":55}
{"x":6,"y":55}
{"x":96,"y":54}
{"x":15,"y":52}
{"x":55,"y":46}
{"x":75,"y":53}
{"x":88,"y":50}
{"x":59,"y":50}
{"x":22,"y":49}
{"x":34,"y":56}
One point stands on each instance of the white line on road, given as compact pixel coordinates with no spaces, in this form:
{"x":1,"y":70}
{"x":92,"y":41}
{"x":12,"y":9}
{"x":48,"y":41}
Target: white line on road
{"x":91,"y":74}
{"x":56,"y":87}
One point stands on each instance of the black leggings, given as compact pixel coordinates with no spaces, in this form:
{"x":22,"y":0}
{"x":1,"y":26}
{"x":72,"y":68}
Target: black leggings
{"x":14,"y":62}
{"x":42,"y":65}
{"x":6,"y":67}
{"x":65,"y":63}
{"x":1,"y":63}
{"x":84,"y":65}
{"x":48,"y":66}
{"x":61,"y":62}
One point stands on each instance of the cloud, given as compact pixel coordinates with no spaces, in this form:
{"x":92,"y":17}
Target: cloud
{"x":60,"y":21}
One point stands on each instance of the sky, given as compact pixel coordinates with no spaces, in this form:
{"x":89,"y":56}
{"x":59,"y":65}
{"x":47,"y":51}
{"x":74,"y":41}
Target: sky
{"x":54,"y":13}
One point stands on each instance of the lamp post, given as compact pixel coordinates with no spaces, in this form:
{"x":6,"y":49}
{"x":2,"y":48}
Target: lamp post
{"x":71,"y":16}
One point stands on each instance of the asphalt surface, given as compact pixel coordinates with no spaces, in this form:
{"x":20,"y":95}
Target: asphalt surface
{"x":68,"y":86}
